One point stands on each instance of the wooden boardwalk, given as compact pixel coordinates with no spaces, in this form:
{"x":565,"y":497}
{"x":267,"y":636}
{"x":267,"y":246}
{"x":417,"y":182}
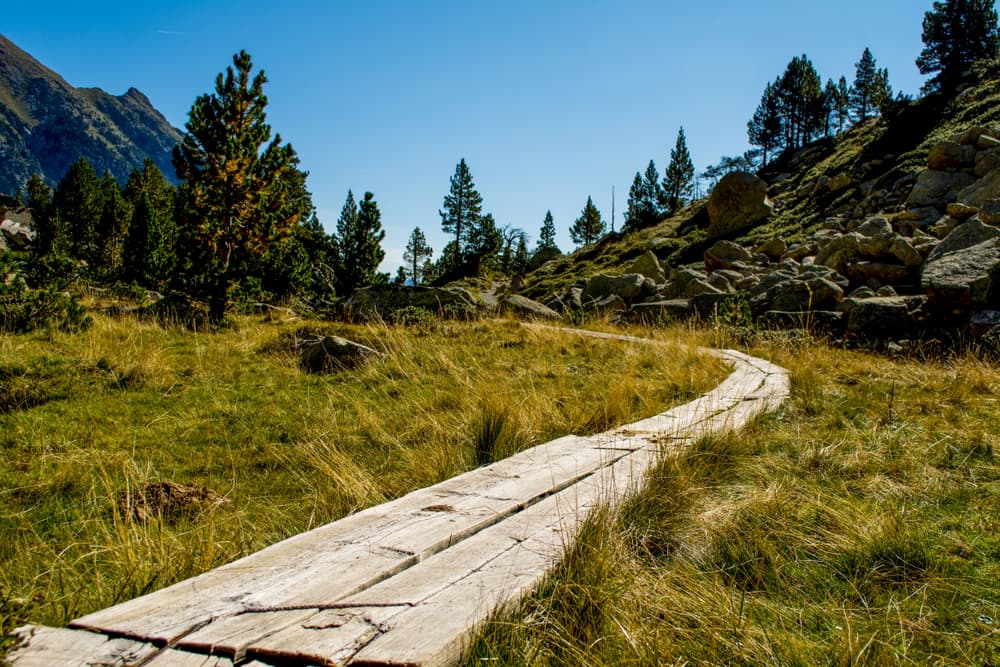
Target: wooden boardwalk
{"x":408,"y":581}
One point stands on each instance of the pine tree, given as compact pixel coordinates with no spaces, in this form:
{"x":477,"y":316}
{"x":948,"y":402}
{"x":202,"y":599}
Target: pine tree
{"x":654,"y":195}
{"x":463,"y":205}
{"x":829,"y":106}
{"x":359,"y":238}
{"x":764,"y":129}
{"x":589,"y":227}
{"x":43,"y":215}
{"x":78,"y":207}
{"x":800,"y":101}
{"x":678,"y":179}
{"x":116,"y":213}
{"x":150,"y":250}
{"x":547,"y":235}
{"x":957,"y":33}
{"x":520,"y":264}
{"x":882,"y":91}
{"x":863,"y":89}
{"x":243,"y":190}
{"x":416,"y":255}
{"x":843,"y":101}
{"x":483,"y":242}
{"x":635,"y":213}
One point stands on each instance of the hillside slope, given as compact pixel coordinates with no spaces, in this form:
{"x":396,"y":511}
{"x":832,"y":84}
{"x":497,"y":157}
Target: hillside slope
{"x":901,"y":207}
{"x":46,"y":124}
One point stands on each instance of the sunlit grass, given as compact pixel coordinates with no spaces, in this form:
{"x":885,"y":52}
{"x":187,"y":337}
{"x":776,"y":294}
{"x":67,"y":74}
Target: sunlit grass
{"x":97,"y":414}
{"x":857,"y":525}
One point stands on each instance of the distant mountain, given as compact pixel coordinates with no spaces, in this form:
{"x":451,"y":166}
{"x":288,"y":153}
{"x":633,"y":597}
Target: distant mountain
{"x":47,"y":124}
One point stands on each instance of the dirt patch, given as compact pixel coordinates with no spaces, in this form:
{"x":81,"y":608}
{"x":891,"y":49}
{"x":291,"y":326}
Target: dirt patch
{"x":169,"y":500}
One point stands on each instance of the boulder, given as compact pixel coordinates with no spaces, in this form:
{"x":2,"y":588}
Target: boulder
{"x":964,"y":236}
{"x":863,"y":272}
{"x":629,"y":287}
{"x":801,"y":295}
{"x":839,"y":252}
{"x":983,"y":322}
{"x":542,"y":256}
{"x":990,"y":213}
{"x":773,"y":248}
{"x":328,"y":353}
{"x":961,"y":212}
{"x":965,"y":278}
{"x":987,"y":161}
{"x":609,"y":304}
{"x":526,"y":308}
{"x":382,"y":300}
{"x":820,"y":321}
{"x":738,"y":202}
{"x":658,"y":311}
{"x":937,"y":188}
{"x":982,"y":191}
{"x":648,"y":265}
{"x":951,"y":155}
{"x":17,"y":234}
{"x":726,"y":255}
{"x":883,"y":316}
{"x":709,"y":304}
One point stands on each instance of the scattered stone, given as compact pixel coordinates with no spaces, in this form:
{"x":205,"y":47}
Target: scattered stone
{"x":883,"y":316}
{"x":648,"y":265}
{"x":738,"y":201}
{"x":17,"y":234}
{"x":982,"y":191}
{"x":382,"y":300}
{"x":965,"y":278}
{"x":983,"y":322}
{"x":321,"y":354}
{"x":773,"y":248}
{"x":937,"y":188}
{"x":629,"y":287}
{"x":670,"y":310}
{"x":961,"y":212}
{"x":524,"y":307}
{"x":949,"y":155}
{"x":726,"y":255}
{"x":819,"y":321}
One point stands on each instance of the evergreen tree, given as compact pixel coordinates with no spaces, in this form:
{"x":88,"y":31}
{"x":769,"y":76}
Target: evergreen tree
{"x":843,"y":102}
{"x":635,"y":212}
{"x":483,"y":242}
{"x":829,"y":106}
{"x":520,"y":264}
{"x":359,"y":239}
{"x":78,"y":207}
{"x":43,"y":215}
{"x":150,"y":248}
{"x":863,"y":90}
{"x":463,"y":205}
{"x":654,"y":194}
{"x":882,"y":92}
{"x":116,"y":212}
{"x":547,"y":236}
{"x":589,"y":227}
{"x":416,"y":255}
{"x":764,"y":129}
{"x":678,"y":179}
{"x":957,"y":33}
{"x":243,"y":190}
{"x":800,"y":100}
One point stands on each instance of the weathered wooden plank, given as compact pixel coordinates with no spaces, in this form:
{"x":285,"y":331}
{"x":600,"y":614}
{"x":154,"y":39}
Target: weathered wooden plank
{"x":174,"y":658}
{"x":231,"y":635}
{"x":44,"y":647}
{"x":329,"y":637}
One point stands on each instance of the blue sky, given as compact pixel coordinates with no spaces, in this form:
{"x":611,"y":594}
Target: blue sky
{"x":548,"y":102}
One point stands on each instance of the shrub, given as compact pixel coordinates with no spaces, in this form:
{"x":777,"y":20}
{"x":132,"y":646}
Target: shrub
{"x":24,"y":309}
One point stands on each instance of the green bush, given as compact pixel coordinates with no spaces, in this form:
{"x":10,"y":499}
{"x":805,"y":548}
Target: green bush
{"x":25,"y":309}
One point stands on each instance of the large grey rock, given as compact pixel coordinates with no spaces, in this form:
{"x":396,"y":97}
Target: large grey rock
{"x":802,"y":295}
{"x":987,"y":161}
{"x":773,"y":248}
{"x":982,"y":191}
{"x":883,"y":316}
{"x":951,"y":155}
{"x":964,"y":236}
{"x":630,"y":287}
{"x":383,"y":300}
{"x":17,"y":234}
{"x":524,"y":307}
{"x":330,"y":353}
{"x":738,"y":202}
{"x":820,"y":321}
{"x":726,"y":255}
{"x":863,"y":272}
{"x":658,"y":311}
{"x":648,"y":265}
{"x":838,"y":253}
{"x":937,"y":188}
{"x":963,"y":279}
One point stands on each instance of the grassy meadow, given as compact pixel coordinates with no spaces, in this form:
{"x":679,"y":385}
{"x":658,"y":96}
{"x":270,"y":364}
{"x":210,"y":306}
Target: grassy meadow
{"x":86,"y":418}
{"x":858,"y":525}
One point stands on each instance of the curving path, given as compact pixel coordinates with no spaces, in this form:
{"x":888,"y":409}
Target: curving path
{"x":405,"y":582}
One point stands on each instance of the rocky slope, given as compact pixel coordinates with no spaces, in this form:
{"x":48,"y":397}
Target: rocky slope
{"x":889,"y":231}
{"x":47,"y":124}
